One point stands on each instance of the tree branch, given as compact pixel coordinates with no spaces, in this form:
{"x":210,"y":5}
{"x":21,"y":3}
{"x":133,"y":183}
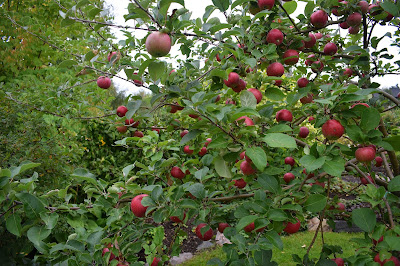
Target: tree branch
{"x":287,"y":14}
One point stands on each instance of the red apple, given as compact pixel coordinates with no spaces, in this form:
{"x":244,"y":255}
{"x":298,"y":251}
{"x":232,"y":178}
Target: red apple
{"x":275,"y":36}
{"x":138,"y":134}
{"x":284,"y":115}
{"x":104,"y":82}
{"x":291,"y":57}
{"x":266,"y":4}
{"x":354,"y":30}
{"x":307,"y":99}
{"x":311,"y":118}
{"x":344,"y":25}
{"x":317,"y":66}
{"x":155,"y":262}
{"x":292,"y":228}
{"x":318,"y":35}
{"x":137,"y":82}
{"x":222,"y":226}
{"x":158,"y":44}
{"x":319,"y":18}
{"x":278,"y":82}
{"x":364,"y":104}
{"x":246,"y":119}
{"x":122,"y":129}
{"x":106,"y":250}
{"x":176,"y":219}
{"x":288,"y":177}
{"x":184,"y":132}
{"x":250,"y":227}
{"x":230,"y":101}
{"x":121,"y":111}
{"x":217,"y":98}
{"x":339,"y":261}
{"x":194,"y":116}
{"x":207,"y":235}
{"x":354,"y":19}
{"x":395,"y":260}
{"x":155,"y":129}
{"x":332,"y":129}
{"x":330,"y":48}
{"x":136,"y":205}
{"x":340,"y":206}
{"x":256,"y":94}
{"x":348,"y":72}
{"x":177,"y":172}
{"x":379,"y":161}
{"x":289,"y":160}
{"x":364,"y":181}
{"x":240,"y":183}
{"x":241,"y":86}
{"x":303,"y":133}
{"x":187,"y":150}
{"x":233,"y":80}
{"x":311,"y":42}
{"x":363,"y":6}
{"x":365,"y":154}
{"x":203,"y":151}
{"x":246,"y":168}
{"x":377,"y":241}
{"x":208,"y":141}
{"x":302,"y":82}
{"x":110,"y":55}
{"x":310,"y":59}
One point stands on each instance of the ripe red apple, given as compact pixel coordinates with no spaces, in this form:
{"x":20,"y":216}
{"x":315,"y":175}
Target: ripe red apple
{"x":138,"y":134}
{"x":302,"y":82}
{"x":233,"y":80}
{"x":136,"y":81}
{"x":379,"y":161}
{"x":290,"y":161}
{"x":321,"y":184}
{"x":104,"y":82}
{"x":155,"y":262}
{"x":177,"y":172}
{"x":310,"y":175}
{"x":363,"y":6}
{"x":319,"y":18}
{"x":132,"y":123}
{"x":275,"y":36}
{"x":217,"y":98}
{"x":318,"y":35}
{"x":203,"y":151}
{"x":288,"y":177}
{"x":330,"y":48}
{"x":110,"y":55}
{"x":230,"y":101}
{"x":121,"y":111}
{"x":310,"y":59}
{"x":250,"y":227}
{"x":122,"y":129}
{"x":106,"y":250}
{"x":311,"y":118}
{"x":246,"y":168}
{"x":303,"y":133}
{"x":222,"y":226}
{"x":184,"y":132}
{"x":158,"y":44}
{"x":340,"y":206}
{"x":291,"y":57}
{"x":208,"y":141}
{"x":311,"y":42}
{"x":241,"y":86}
{"x":266,"y":4}
{"x":207,"y":235}
{"x":348,"y":72}
{"x":365,"y":154}
{"x":344,"y":25}
{"x":364,"y":181}
{"x":395,"y":260}
{"x":156,"y":129}
{"x":247,"y":120}
{"x":194,"y":116}
{"x":354,"y":30}
{"x":278,"y":82}
{"x":187,"y":150}
{"x":292,"y":228}
{"x":136,"y":205}
{"x":240,"y":183}
{"x":364,"y":104}
{"x":354,"y":19}
{"x":339,"y":261}
{"x":176,"y":219}
{"x":307,"y":99}
{"x":317,"y":66}
{"x":284,"y":115}
{"x":256,"y":94}
{"x":376,"y":242}
{"x":243,"y":156}
{"x":332,"y":129}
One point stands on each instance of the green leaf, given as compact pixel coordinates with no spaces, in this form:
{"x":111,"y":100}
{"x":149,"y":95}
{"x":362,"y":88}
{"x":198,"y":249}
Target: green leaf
{"x":156,"y":70}
{"x":67,"y":64}
{"x":364,"y":218}
{"x":127,"y":169}
{"x":85,"y":175}
{"x":191,"y":135}
{"x":197,"y":190}
{"x":311,"y":163}
{"x":279,"y":140}
{"x":394,"y":184}
{"x":390,"y":7}
{"x":221,"y":166}
{"x":13,"y":224}
{"x":132,"y":106}
{"x":280,"y":128}
{"x":290,"y":6}
{"x":269,"y":183}
{"x":156,"y":193}
{"x":334,"y":167}
{"x":370,"y":118}
{"x":250,"y":61}
{"x":245,"y":221}
{"x":274,"y":94}
{"x":218,"y":73}
{"x":258,"y":156}
{"x":165,"y":4}
{"x":263,"y":257}
{"x":49,"y":219}
{"x":394,"y":141}
{"x":248,"y":100}
{"x":25,"y":165}
{"x":244,"y":111}
{"x":36,"y":234}
{"x":277,"y":215}
{"x":222,"y":5}
{"x":32,"y":205}
{"x":275,"y":239}
{"x":315,"y":203}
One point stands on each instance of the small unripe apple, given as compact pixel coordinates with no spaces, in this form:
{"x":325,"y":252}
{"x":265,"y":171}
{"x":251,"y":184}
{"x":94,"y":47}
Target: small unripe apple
{"x":246,"y":120}
{"x":275,"y":69}
{"x":207,"y":235}
{"x":250,"y":227}
{"x":233,"y":80}
{"x":246,"y":168}
{"x":302,"y":82}
{"x":138,"y":134}
{"x":256,"y":94}
{"x":284,"y":115}
{"x":203,"y":151}
{"x":379,"y":161}
{"x":155,"y":262}
{"x":121,"y":111}
{"x":354,"y":19}
{"x":184,"y":132}
{"x":136,"y":205}
{"x":348,"y":72}
{"x":288,"y":177}
{"x":275,"y":36}
{"x":311,"y":41}
{"x":177,"y":172}
{"x":344,"y":25}
{"x":319,"y":18}
{"x":332,"y":129}
{"x":339,"y":261}
{"x":222,"y":226}
{"x":291,"y":57}
{"x":122,"y":129}
{"x":292,"y":228}
{"x":158,"y":44}
{"x":303,"y":133}
{"x":364,"y":181}
{"x":187,"y":150}
{"x":290,"y":161}
{"x":307,"y":99}
{"x":104,"y":82}
{"x":240,"y":183}
{"x":266,"y":4}
{"x":330,"y":48}
{"x":365,"y":154}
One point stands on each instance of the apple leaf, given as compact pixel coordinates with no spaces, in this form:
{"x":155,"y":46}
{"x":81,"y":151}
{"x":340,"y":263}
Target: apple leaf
{"x":25,"y":165}
{"x":290,"y":6}
{"x":244,"y":111}
{"x":85,"y":175}
{"x":275,"y":239}
{"x":311,"y":163}
{"x":263,"y":257}
{"x":370,"y":118}
{"x":315,"y":203}
{"x":197,"y":190}
{"x":394,"y":184}
{"x":274,"y":94}
{"x":191,"y":135}
{"x":13,"y":224}
{"x":133,"y":106}
{"x":165,"y":4}
{"x":277,"y":215}
{"x":279,"y":140}
{"x":156,"y":70}
{"x":32,"y":205}
{"x":269,"y":183}
{"x":280,"y":128}
{"x":248,"y":99}
{"x":67,"y":64}
{"x":394,"y":141}
{"x":222,"y":167}
{"x":334,"y":167}
{"x":245,"y":221}
{"x":36,"y":234}
{"x":222,"y":5}
{"x":258,"y":156}
{"x":364,"y":218}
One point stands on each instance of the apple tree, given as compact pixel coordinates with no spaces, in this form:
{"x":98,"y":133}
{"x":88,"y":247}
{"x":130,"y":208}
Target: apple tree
{"x":247,"y":131}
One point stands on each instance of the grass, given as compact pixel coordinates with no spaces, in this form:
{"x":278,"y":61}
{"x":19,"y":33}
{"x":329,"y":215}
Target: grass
{"x":293,"y":244}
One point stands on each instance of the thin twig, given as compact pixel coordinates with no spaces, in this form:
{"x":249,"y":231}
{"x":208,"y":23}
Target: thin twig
{"x":386,"y":165}
{"x":392,"y":154}
{"x":287,"y":14}
{"x":148,"y":14}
